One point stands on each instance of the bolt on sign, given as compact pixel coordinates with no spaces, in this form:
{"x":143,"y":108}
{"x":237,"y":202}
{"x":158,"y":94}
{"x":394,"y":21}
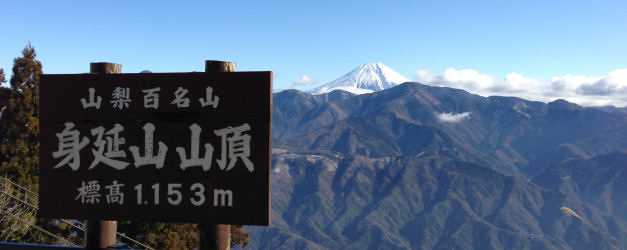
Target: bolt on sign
{"x":179,"y":147}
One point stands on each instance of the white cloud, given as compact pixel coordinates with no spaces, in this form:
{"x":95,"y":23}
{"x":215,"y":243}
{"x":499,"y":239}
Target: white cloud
{"x":570,"y":83}
{"x":465,"y":79}
{"x":452,"y":117}
{"x":615,"y":82}
{"x":583,"y":90}
{"x":515,"y":82}
{"x":305,"y":80}
{"x":424,"y":76}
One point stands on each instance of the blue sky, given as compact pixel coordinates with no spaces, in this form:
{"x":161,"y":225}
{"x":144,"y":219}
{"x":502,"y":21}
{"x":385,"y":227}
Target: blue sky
{"x":539,"y":40}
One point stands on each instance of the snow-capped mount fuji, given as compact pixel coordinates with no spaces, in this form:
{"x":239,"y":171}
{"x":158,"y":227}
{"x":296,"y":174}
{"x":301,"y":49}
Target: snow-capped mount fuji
{"x":366,"y":78}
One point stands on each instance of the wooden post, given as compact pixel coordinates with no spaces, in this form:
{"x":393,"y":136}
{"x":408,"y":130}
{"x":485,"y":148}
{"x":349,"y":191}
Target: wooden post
{"x":105,"y":68}
{"x":101,"y":234}
{"x":216,"y":236}
{"x":219,"y":66}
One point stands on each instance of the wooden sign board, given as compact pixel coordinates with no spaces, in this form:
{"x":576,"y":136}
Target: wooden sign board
{"x":179,"y":147}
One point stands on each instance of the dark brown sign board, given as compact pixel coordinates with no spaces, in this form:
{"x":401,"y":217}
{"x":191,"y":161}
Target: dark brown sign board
{"x":177,"y":147}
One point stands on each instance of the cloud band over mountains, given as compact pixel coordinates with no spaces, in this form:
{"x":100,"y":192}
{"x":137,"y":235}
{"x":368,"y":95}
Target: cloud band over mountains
{"x":584,"y":90}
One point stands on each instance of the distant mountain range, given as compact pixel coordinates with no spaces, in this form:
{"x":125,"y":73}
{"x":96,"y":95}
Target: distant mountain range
{"x":421,"y":167}
{"x":366,"y":78}
{"x":512,"y":135}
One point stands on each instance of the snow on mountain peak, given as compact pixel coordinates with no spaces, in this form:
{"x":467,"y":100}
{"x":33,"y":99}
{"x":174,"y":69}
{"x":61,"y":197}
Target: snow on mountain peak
{"x":364,"y":79}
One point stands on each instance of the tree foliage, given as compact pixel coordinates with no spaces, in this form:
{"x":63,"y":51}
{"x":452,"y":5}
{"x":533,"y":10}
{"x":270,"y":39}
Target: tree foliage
{"x":174,"y":235}
{"x":20,"y":122}
{"x":238,"y":236}
{"x":19,"y":150}
{"x":4,"y":103}
{"x":2,"y":78}
{"x":161,"y":235}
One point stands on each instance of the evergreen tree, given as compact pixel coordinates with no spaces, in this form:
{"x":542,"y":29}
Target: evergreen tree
{"x":4,"y":103}
{"x":20,"y":122}
{"x":2,"y":79}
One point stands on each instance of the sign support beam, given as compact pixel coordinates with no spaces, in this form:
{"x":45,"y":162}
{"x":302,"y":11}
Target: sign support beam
{"x":216,"y":236}
{"x":101,"y":234}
